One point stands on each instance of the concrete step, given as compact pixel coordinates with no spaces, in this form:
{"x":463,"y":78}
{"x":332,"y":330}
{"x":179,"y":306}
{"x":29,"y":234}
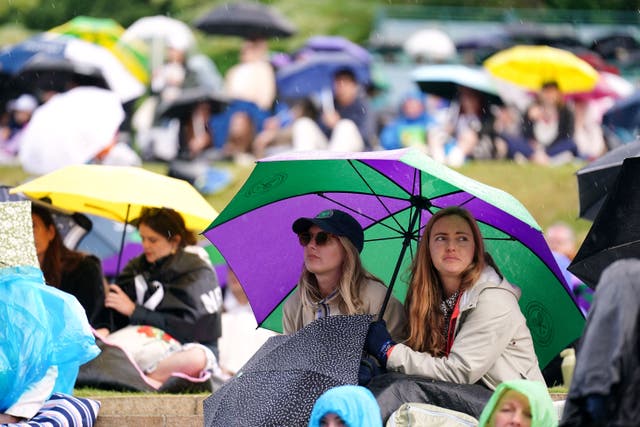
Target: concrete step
{"x":150,"y":410}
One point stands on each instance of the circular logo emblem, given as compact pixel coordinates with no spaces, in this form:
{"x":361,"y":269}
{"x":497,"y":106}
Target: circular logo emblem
{"x":266,"y":184}
{"x":539,"y":323}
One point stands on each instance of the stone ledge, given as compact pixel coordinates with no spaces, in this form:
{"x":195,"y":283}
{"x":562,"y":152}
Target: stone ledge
{"x":149,"y":421}
{"x":151,"y":405}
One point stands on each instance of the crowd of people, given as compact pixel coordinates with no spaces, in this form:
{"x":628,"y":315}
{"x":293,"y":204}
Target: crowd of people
{"x":460,"y":322}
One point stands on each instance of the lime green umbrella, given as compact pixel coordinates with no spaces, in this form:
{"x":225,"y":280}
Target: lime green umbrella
{"x":392,"y":194}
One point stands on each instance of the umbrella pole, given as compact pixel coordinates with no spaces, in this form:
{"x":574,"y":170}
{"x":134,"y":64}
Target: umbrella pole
{"x":124,"y":234}
{"x":419,"y":203}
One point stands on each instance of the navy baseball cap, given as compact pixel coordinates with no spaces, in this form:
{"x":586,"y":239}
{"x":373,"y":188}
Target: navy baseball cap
{"x":336,"y":222}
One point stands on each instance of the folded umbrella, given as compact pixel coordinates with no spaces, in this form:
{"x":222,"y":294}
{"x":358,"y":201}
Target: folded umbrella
{"x":392,"y":194}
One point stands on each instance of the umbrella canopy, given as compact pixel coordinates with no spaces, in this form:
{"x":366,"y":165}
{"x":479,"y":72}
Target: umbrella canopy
{"x":532,"y":66}
{"x":48,"y":52}
{"x":615,"y":233}
{"x":392,"y":194}
{"x":597,"y":179}
{"x":430,"y":44}
{"x":119,"y":193}
{"x":183,"y":105}
{"x":245,"y":19}
{"x":444,"y":80}
{"x":314,"y":72}
{"x":63,"y":131}
{"x":609,"y":86}
{"x":107,"y":33}
{"x":283,"y":379}
{"x":625,"y":113}
{"x":336,"y":44}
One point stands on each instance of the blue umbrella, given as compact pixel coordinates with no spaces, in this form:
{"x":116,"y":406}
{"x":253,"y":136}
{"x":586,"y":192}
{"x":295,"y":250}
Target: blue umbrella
{"x":625,"y":113}
{"x":313,"y":73}
{"x":443,"y":80}
{"x":50,"y":61}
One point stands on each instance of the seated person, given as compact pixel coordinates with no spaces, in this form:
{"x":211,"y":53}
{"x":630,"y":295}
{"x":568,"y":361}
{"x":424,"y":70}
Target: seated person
{"x":347,"y":405}
{"x":468,"y":123}
{"x":410,"y":127}
{"x":519,"y":403}
{"x":333,"y":280}
{"x":548,"y":129}
{"x":168,"y":293}
{"x":50,"y":335}
{"x":465,"y":324}
{"x":71,"y":271}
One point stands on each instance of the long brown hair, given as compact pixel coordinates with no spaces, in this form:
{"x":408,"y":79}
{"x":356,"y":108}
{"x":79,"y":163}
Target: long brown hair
{"x":168,"y":223}
{"x":353,"y":277}
{"x":58,"y":259}
{"x":425,"y":292}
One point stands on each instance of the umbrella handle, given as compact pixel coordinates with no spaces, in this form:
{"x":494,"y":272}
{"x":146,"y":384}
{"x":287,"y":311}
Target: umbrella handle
{"x":124,"y":233}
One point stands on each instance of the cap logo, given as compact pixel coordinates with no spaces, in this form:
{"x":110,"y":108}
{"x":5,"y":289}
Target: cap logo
{"x":325,"y":214}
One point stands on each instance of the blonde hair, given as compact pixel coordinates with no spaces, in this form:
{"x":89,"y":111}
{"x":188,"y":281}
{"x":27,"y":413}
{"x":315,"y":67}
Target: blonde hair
{"x":353,"y":277}
{"x":425,"y":317}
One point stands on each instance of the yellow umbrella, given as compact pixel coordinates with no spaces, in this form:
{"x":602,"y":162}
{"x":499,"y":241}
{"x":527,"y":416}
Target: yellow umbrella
{"x":108,"y":33}
{"x":119,"y":193}
{"x":532,"y":66}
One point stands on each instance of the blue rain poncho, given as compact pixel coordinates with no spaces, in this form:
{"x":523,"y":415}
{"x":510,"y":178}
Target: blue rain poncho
{"x":40,"y":327}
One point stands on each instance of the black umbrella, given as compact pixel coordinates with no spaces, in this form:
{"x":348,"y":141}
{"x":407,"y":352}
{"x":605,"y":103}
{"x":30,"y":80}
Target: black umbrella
{"x":280,"y":383}
{"x":57,"y":73}
{"x":597,"y":178}
{"x":183,"y":105}
{"x":625,"y":113}
{"x":244,"y":19}
{"x":615,"y":233}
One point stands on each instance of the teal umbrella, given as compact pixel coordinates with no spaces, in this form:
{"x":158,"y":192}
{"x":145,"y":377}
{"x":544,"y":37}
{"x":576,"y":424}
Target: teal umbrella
{"x":392,"y":194}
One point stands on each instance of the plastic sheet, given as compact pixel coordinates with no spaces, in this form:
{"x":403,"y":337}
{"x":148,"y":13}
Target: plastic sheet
{"x":40,"y":326}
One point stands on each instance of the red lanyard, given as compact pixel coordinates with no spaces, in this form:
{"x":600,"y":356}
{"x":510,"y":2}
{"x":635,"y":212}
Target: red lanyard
{"x":452,"y":324}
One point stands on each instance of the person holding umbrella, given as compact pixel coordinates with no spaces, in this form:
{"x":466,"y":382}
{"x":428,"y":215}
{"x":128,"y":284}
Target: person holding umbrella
{"x":465,"y":324}
{"x":173,"y":293}
{"x":333,"y":279}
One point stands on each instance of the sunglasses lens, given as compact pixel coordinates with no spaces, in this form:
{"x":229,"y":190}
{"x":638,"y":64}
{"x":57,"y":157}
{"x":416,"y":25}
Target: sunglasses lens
{"x":304,"y":238}
{"x":321,"y":238}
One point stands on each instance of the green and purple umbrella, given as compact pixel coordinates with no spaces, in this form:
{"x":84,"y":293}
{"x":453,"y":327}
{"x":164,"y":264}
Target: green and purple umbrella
{"x":392,"y":194}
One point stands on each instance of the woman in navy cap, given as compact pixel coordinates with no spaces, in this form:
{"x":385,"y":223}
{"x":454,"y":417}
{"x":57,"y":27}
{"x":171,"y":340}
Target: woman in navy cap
{"x":333,"y":280}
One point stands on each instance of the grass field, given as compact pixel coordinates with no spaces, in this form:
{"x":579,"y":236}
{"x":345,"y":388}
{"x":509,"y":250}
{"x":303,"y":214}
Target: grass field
{"x":549,"y":193}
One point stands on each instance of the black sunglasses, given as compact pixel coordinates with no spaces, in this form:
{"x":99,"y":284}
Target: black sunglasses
{"x":321,"y":238}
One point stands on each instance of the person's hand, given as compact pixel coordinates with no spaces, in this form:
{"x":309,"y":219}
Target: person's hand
{"x":330,"y":119}
{"x":368,"y":369}
{"x":118,"y":300}
{"x":379,"y":341}
{"x":596,"y":406}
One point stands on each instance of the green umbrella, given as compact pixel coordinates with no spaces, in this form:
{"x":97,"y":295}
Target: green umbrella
{"x":392,"y":194}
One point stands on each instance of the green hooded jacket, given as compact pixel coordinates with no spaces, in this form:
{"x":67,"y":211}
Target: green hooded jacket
{"x":543,"y":413}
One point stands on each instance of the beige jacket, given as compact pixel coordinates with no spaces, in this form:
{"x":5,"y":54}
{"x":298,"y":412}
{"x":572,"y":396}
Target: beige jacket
{"x":492,"y":342}
{"x":295,"y":317}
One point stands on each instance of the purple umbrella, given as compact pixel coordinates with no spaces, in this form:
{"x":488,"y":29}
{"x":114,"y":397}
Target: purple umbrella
{"x":392,"y":194}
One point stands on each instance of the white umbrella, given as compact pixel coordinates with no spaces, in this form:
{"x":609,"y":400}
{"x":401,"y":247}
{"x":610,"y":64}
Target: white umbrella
{"x":158,"y":32}
{"x":430,"y":44}
{"x":71,"y":128}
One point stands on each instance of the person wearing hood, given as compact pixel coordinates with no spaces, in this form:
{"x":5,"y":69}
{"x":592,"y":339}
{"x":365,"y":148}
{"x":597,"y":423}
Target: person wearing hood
{"x":465,"y":324}
{"x":347,"y":405}
{"x":519,"y":403}
{"x":410,"y":127}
